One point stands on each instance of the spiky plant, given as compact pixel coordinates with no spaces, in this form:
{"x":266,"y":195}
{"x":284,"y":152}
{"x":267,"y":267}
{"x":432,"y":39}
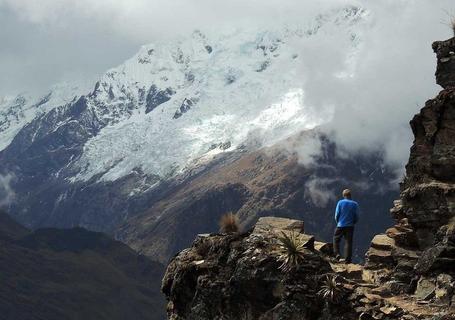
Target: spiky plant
{"x":331,"y":289}
{"x":291,"y":251}
{"x":229,"y":223}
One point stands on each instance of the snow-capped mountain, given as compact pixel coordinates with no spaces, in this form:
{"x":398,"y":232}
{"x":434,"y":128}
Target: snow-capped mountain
{"x":17,"y":111}
{"x":95,"y":159}
{"x":175,"y":101}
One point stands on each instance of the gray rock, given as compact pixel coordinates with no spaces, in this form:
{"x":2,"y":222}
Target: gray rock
{"x":425,"y":288}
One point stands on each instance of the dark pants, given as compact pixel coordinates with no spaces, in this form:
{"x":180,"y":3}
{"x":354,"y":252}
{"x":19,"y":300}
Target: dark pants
{"x":347,"y":233}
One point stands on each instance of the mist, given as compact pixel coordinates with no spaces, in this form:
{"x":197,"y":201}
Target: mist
{"x":7,"y":194}
{"x":392,"y":77}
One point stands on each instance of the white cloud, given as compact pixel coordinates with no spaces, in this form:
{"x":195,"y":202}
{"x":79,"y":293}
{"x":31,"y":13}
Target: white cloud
{"x":385,"y":83}
{"x":7,"y":194}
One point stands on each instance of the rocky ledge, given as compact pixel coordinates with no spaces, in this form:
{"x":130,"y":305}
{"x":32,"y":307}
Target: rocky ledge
{"x":238,"y":276}
{"x":417,"y":255}
{"x":409,"y":271}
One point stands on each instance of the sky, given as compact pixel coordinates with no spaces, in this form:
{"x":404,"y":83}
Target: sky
{"x":48,"y":41}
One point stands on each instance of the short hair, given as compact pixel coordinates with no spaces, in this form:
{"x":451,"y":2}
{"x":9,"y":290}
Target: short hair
{"x":347,"y":193}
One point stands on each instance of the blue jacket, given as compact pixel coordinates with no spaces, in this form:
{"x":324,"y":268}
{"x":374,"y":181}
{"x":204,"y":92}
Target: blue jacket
{"x":346,"y":213}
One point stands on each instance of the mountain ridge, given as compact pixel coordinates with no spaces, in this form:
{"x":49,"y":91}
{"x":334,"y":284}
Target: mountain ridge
{"x":73,"y":274}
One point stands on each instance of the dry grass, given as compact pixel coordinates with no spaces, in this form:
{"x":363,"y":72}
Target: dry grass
{"x":331,"y":290}
{"x":291,"y":251}
{"x":229,"y":223}
{"x":451,"y":226}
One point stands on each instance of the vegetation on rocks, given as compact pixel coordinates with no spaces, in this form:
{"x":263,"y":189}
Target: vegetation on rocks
{"x":291,"y":251}
{"x":229,"y":223}
{"x":331,"y":290}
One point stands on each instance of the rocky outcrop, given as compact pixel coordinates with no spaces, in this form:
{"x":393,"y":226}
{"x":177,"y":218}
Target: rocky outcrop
{"x":445,"y":72}
{"x":239,"y":276}
{"x":419,"y":255}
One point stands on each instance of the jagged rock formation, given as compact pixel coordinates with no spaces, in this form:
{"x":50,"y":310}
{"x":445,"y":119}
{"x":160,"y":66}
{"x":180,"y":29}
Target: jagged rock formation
{"x":417,"y":255}
{"x":237,"y":276}
{"x":445,"y":72}
{"x":71,"y":274}
{"x":409,"y":271}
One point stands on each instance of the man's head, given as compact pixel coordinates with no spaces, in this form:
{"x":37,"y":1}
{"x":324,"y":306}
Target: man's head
{"x":347,"y":194}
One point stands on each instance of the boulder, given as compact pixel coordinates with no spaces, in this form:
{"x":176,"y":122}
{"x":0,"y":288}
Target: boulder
{"x":323,"y":247}
{"x":444,"y":288}
{"x":239,"y":274}
{"x":379,"y":256}
{"x":425,"y":288}
{"x":445,"y":72}
{"x":383,"y":242}
{"x":276,"y":224}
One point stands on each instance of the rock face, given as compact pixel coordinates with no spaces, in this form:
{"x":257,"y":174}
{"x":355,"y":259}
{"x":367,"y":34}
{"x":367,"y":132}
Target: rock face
{"x":409,"y":271}
{"x":237,"y":276}
{"x":421,"y":246}
{"x":445,"y":52}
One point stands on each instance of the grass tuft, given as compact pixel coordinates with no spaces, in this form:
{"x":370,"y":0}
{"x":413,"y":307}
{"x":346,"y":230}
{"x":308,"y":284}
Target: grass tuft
{"x":331,"y":290}
{"x":229,"y":223}
{"x":291,"y":251}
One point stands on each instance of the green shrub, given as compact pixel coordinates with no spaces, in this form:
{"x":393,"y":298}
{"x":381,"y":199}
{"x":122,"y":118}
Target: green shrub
{"x":291,"y":252}
{"x":331,"y":289}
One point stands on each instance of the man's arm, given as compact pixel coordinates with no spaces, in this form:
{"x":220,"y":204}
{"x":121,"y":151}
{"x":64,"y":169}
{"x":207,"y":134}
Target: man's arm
{"x":337,"y":212}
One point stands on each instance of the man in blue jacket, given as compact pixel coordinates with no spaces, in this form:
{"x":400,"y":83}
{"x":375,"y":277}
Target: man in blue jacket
{"x":346,"y":216}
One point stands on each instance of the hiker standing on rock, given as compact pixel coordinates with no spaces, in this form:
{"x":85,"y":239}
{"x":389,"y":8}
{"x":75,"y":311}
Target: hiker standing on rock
{"x":346,"y":216}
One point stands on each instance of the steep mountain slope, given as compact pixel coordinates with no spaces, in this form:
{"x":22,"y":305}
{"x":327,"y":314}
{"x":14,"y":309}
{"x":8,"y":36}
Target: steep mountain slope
{"x":266,"y":182}
{"x":9,"y":229}
{"x":74,"y":274}
{"x":148,"y":123}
